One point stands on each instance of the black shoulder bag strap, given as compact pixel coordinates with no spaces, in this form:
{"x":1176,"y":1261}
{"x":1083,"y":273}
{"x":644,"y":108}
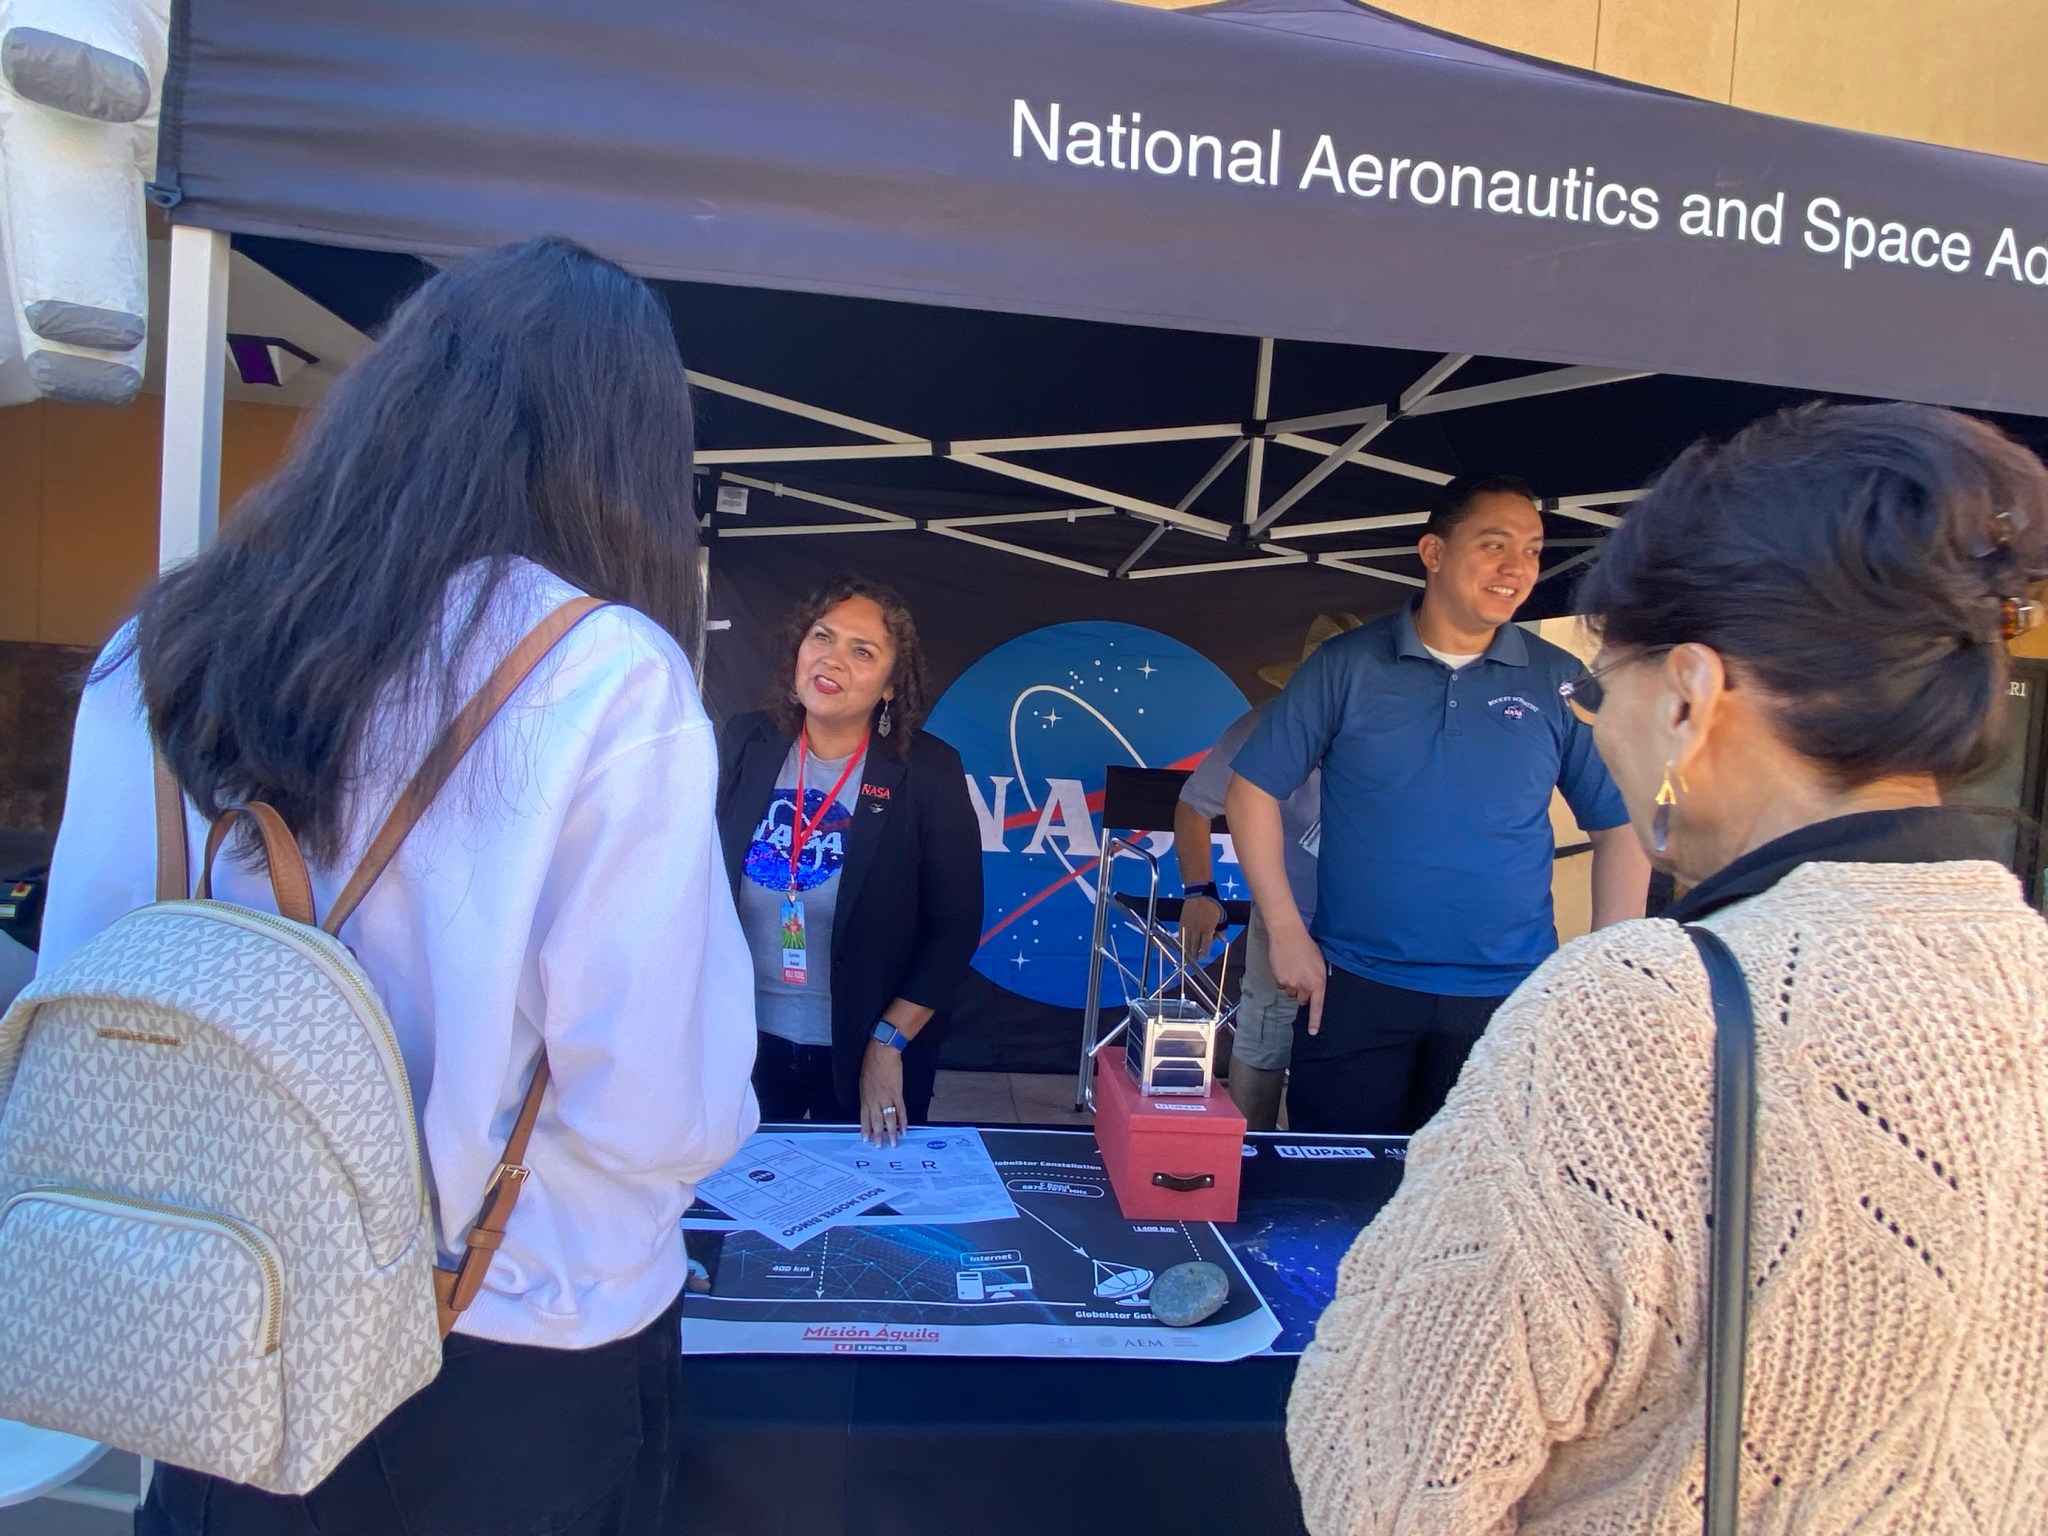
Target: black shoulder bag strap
{"x":1728,"y":1274}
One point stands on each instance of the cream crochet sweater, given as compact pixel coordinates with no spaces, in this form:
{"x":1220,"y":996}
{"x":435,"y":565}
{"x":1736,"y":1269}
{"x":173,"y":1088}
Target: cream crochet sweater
{"x":1516,"y":1344}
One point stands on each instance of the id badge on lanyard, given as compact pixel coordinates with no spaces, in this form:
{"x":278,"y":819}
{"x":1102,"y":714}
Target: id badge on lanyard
{"x":796,"y":967}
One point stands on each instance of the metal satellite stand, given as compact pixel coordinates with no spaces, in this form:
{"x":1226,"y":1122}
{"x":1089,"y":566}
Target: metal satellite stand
{"x":1170,"y":1024}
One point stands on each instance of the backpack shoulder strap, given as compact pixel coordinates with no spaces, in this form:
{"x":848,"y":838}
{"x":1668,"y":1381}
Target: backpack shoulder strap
{"x":455,"y":742}
{"x":455,"y":1289}
{"x":173,"y":857}
{"x":1728,"y":1266}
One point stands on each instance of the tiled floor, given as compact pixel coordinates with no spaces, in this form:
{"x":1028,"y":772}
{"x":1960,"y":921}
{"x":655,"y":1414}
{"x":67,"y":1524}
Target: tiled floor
{"x":984,"y":1098}
{"x":1008,"y":1098}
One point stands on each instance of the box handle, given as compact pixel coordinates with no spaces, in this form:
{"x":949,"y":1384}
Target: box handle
{"x":1185,"y":1182}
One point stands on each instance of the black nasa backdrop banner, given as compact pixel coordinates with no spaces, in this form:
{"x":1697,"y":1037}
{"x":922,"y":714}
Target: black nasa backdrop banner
{"x":1040,"y":692}
{"x":1301,"y":169}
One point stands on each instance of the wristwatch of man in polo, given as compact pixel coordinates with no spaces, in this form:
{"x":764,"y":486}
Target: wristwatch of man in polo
{"x":1201,"y":888}
{"x":890,"y":1035}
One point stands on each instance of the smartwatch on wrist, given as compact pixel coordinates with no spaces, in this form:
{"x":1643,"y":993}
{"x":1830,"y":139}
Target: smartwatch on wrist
{"x":1201,"y":888}
{"x":890,"y":1035}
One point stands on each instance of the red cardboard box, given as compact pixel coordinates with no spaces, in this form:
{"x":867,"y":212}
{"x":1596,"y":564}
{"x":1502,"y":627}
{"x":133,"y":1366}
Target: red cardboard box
{"x":1169,"y":1159}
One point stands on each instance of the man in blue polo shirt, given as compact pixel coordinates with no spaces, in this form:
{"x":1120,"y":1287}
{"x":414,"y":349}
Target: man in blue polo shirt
{"x":1440,"y":735}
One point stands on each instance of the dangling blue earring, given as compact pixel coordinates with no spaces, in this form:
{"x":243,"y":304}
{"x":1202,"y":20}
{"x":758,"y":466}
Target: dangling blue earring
{"x":883,"y":724}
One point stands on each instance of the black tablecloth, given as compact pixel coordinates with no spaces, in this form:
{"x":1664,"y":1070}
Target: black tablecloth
{"x":801,"y":1445}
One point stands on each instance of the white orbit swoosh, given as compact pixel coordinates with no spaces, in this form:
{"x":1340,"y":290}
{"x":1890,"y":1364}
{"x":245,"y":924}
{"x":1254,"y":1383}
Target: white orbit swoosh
{"x":1024,"y":784}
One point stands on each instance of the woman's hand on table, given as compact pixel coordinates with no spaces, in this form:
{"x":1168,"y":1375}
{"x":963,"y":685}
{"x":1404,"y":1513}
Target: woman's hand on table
{"x":883,"y":1115}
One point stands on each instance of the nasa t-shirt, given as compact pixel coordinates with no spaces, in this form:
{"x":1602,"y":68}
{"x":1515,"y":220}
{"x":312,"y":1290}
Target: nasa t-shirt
{"x":798,"y":1012}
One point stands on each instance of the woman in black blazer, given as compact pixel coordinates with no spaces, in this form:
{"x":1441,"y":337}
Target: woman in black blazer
{"x":840,"y":816}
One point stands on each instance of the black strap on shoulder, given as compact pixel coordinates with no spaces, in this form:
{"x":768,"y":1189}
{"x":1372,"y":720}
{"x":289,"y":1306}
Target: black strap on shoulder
{"x":1728,"y":1274}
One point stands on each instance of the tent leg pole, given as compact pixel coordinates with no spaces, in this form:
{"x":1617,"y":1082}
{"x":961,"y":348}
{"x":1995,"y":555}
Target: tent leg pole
{"x":195,"y":383}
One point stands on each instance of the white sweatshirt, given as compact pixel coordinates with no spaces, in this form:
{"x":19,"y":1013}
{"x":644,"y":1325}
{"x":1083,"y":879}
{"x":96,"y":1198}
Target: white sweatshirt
{"x":566,"y":887}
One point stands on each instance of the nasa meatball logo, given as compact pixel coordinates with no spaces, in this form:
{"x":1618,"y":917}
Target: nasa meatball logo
{"x":1512,"y":706}
{"x":1038,"y":721}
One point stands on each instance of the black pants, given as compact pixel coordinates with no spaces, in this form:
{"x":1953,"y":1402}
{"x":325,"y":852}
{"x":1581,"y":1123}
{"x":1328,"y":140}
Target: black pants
{"x":794,"y":1082}
{"x":509,"y":1440}
{"x":1385,"y":1059}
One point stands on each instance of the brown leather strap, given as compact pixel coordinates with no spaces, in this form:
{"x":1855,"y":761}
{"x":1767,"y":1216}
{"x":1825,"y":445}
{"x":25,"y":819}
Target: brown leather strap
{"x":173,"y":855}
{"x":289,"y":883}
{"x":445,"y":754}
{"x":455,"y":1289}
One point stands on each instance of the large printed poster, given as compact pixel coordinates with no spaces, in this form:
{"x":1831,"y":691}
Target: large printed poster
{"x":1038,"y":722}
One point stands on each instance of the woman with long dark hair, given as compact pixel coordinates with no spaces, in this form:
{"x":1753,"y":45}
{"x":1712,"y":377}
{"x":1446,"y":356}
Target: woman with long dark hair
{"x":856,"y":861}
{"x":1803,"y":643}
{"x":519,"y":435}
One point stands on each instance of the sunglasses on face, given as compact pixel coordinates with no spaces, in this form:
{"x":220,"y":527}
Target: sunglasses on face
{"x":1586,"y":694}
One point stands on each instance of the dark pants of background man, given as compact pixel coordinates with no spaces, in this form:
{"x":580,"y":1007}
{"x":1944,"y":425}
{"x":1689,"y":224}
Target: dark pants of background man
{"x":1385,"y":1058}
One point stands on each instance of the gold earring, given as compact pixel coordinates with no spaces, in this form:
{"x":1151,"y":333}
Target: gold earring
{"x":1667,"y":800}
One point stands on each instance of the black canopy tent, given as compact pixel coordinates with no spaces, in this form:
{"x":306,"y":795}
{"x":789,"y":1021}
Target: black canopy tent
{"x":1330,"y":258}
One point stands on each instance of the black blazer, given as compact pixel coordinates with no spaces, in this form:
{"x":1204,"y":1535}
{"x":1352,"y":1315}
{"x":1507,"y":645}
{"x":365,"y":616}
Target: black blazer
{"x":908,"y":918}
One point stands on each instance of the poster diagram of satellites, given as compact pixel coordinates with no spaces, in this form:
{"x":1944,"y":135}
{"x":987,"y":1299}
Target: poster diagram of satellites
{"x":1065,"y":1277}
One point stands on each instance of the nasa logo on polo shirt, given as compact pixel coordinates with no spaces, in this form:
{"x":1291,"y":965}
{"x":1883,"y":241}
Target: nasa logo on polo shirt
{"x":1512,"y":706}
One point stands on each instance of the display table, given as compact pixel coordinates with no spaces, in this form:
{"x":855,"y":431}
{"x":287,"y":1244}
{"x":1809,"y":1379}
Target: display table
{"x":868,"y":1445}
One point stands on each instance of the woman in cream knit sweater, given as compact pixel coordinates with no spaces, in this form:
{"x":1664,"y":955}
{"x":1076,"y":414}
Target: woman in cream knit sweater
{"x":1802,"y":641}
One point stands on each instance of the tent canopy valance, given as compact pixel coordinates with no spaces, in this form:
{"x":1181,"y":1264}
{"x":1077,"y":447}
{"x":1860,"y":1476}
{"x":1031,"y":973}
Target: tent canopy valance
{"x":1306,"y":170}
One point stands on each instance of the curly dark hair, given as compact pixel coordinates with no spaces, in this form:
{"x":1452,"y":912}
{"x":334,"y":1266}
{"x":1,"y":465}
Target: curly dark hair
{"x":909,"y":679}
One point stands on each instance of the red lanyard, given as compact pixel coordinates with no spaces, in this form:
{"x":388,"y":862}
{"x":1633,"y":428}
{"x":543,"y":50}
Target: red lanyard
{"x":802,"y":831}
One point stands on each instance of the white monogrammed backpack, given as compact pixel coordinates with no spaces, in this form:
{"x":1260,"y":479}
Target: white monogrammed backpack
{"x":216,"y":1246}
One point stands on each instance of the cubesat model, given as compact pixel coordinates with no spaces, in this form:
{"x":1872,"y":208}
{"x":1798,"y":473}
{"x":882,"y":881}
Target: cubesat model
{"x":1170,"y":1046}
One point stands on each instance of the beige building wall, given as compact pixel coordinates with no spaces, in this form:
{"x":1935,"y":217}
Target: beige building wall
{"x":1961,"y":72}
{"x":78,"y":508}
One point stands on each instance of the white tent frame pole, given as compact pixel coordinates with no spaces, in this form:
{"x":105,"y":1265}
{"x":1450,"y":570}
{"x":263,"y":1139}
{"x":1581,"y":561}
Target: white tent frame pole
{"x":967,"y":537}
{"x":1376,"y":552}
{"x":191,"y":483}
{"x":1350,"y":418}
{"x":1371,"y":422}
{"x":1215,"y":471}
{"x":1332,"y":462}
{"x":815,"y":413}
{"x":813,"y":530}
{"x":1211,"y":567}
{"x":1352,"y":525}
{"x":1551,"y":381}
{"x":1368,"y":460}
{"x":1151,"y":510}
{"x":1585,"y":508}
{"x":1337,"y":562}
{"x":1588,"y":515}
{"x":195,"y":389}
{"x":1608,"y":499}
{"x":999,"y":519}
{"x":1262,"y":400}
{"x":1130,"y":561}
{"x":1425,"y":386}
{"x":1137,"y":435}
{"x":795,"y":493}
{"x":826,"y":453}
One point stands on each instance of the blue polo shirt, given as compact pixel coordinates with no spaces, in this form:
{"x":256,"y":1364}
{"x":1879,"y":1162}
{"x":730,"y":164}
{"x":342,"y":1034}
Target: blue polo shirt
{"x":1436,"y":851}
